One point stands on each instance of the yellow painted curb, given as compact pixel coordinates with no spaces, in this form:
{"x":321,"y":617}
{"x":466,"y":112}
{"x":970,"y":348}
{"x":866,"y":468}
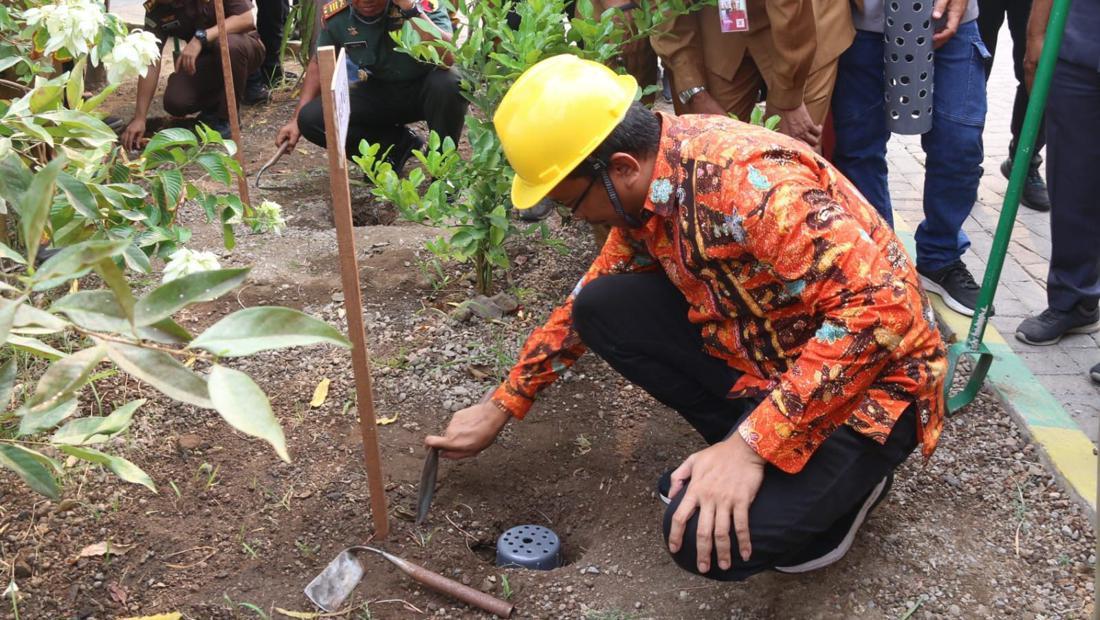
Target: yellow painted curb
{"x":1071,"y":453}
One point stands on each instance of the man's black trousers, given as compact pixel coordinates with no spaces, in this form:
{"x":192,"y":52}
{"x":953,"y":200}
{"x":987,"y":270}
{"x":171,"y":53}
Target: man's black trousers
{"x":380,"y":110}
{"x":638,"y":324}
{"x":991,"y":14}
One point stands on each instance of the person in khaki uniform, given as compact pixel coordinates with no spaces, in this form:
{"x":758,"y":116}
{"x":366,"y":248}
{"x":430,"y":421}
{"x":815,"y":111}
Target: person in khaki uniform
{"x":790,"y":46}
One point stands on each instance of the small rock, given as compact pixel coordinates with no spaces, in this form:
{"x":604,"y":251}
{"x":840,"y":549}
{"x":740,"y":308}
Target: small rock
{"x":22,"y":569}
{"x":505,"y":302}
{"x":683,"y":595}
{"x":190,"y":441}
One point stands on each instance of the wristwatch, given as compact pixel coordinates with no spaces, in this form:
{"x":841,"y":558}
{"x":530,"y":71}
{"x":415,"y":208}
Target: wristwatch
{"x":411,"y":12}
{"x":687,"y":95}
{"x":200,"y":34}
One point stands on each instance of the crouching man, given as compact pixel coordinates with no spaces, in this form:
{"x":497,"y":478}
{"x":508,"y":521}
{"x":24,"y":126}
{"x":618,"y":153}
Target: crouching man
{"x":393,"y":88}
{"x":746,"y":285}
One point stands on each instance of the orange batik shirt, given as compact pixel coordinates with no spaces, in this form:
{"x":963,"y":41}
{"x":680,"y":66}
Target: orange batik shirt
{"x":792,"y":278}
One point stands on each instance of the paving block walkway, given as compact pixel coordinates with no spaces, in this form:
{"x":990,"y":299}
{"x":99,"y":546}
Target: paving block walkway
{"x":1063,"y":368}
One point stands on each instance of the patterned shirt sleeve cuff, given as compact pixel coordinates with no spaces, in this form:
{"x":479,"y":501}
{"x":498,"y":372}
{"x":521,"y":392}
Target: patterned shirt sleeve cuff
{"x":509,"y":400}
{"x":772,"y":436}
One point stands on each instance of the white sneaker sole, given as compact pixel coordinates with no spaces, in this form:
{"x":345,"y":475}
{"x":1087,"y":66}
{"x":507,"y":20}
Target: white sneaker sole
{"x":845,"y":544}
{"x":951,"y":302}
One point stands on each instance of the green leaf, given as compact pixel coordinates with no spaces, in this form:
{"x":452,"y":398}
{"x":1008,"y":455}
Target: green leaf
{"x":172,"y":183}
{"x":7,"y":382}
{"x":28,"y":465}
{"x":167,"y":138}
{"x":12,"y":255}
{"x":74,"y":261}
{"x":266,"y":327}
{"x":167,"y":299}
{"x":214,"y":165}
{"x":74,"y":89}
{"x":123,"y":469}
{"x":34,"y":205}
{"x":35,"y":421}
{"x":35,"y":347}
{"x":79,"y":196}
{"x":163,"y":372}
{"x":66,"y":376}
{"x":136,"y":260}
{"x":7,"y":316}
{"x":96,"y":429}
{"x":245,"y":407}
{"x":116,"y":280}
{"x":99,"y":311}
{"x":31,"y":320}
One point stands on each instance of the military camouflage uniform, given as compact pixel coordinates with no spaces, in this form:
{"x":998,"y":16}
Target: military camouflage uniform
{"x":393,"y":89}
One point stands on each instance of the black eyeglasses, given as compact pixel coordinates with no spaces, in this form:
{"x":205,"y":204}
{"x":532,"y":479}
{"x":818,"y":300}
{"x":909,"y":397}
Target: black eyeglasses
{"x":567,"y":211}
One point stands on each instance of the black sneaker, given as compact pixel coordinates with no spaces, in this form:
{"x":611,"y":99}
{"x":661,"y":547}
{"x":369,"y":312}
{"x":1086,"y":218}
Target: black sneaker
{"x":1094,"y":372}
{"x":664,"y":485}
{"x":255,"y":93}
{"x":220,"y":125}
{"x":955,"y":285}
{"x":831,"y":546}
{"x":1035,"y":194}
{"x":537,"y":213}
{"x":1051,"y":325}
{"x":402,"y":151}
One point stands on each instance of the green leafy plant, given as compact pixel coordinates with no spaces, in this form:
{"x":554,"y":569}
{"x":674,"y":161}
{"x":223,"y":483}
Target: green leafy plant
{"x":469,"y":197}
{"x":65,"y":182}
{"x":134,"y":333}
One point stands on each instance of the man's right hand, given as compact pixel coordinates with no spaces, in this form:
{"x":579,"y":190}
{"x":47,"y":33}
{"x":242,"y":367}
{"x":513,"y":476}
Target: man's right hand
{"x":471,"y":430}
{"x":289,"y":133}
{"x":703,"y":103}
{"x":131,"y":136}
{"x":798,"y":124}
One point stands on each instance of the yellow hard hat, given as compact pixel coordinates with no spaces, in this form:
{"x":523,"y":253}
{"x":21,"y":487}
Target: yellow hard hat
{"x":554,"y":116}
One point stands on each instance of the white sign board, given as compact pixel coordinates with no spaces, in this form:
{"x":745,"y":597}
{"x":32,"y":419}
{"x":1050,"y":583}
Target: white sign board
{"x":340,"y":101}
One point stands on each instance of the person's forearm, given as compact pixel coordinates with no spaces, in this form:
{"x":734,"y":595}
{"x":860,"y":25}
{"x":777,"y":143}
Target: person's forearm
{"x":234,"y":24}
{"x":147,"y":87}
{"x":311,"y":85}
{"x":1037,"y":22}
{"x":794,"y":35}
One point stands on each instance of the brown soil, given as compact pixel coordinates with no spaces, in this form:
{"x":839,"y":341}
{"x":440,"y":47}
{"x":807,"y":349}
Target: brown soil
{"x":979,"y":531}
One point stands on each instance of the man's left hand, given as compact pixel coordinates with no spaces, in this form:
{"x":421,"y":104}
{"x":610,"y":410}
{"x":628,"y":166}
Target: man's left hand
{"x":724,"y":481}
{"x":189,"y":56}
{"x":955,"y":9}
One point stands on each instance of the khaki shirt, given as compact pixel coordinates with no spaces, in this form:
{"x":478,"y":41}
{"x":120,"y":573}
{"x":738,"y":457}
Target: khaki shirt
{"x":181,"y":18}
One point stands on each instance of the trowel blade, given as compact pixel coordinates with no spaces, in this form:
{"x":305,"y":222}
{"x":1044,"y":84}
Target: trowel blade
{"x":427,"y":484}
{"x":332,"y":587}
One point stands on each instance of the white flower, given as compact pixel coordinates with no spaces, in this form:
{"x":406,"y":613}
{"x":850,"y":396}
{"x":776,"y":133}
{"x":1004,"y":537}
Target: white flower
{"x":131,"y":56}
{"x":267,"y":217}
{"x":73,"y":25}
{"x":183,"y":262}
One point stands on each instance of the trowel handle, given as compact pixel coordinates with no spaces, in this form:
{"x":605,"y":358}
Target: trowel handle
{"x":466,"y":594}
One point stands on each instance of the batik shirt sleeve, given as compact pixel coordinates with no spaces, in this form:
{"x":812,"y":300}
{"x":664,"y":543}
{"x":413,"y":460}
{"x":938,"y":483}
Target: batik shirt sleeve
{"x":800,"y":234}
{"x":555,"y":346}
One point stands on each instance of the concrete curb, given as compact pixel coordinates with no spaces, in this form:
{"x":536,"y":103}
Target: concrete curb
{"x":1063,"y":446}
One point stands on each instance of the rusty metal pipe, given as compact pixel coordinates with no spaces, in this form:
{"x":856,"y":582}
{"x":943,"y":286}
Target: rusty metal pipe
{"x":454,"y":589}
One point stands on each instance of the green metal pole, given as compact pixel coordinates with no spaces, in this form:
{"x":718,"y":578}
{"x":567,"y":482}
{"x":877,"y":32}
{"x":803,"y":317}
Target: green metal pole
{"x":1021,"y":160}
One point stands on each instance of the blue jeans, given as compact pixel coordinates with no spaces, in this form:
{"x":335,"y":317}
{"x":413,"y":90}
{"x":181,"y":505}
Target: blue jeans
{"x":953,"y":147}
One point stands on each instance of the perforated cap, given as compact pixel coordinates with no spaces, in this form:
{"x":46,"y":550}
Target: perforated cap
{"x":529,"y":546}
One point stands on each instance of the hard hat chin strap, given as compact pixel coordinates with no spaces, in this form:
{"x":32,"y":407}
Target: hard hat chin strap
{"x":616,"y":203}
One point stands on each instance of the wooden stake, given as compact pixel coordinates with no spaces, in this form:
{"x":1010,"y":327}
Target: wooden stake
{"x":349,"y":275}
{"x":231,"y":100}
